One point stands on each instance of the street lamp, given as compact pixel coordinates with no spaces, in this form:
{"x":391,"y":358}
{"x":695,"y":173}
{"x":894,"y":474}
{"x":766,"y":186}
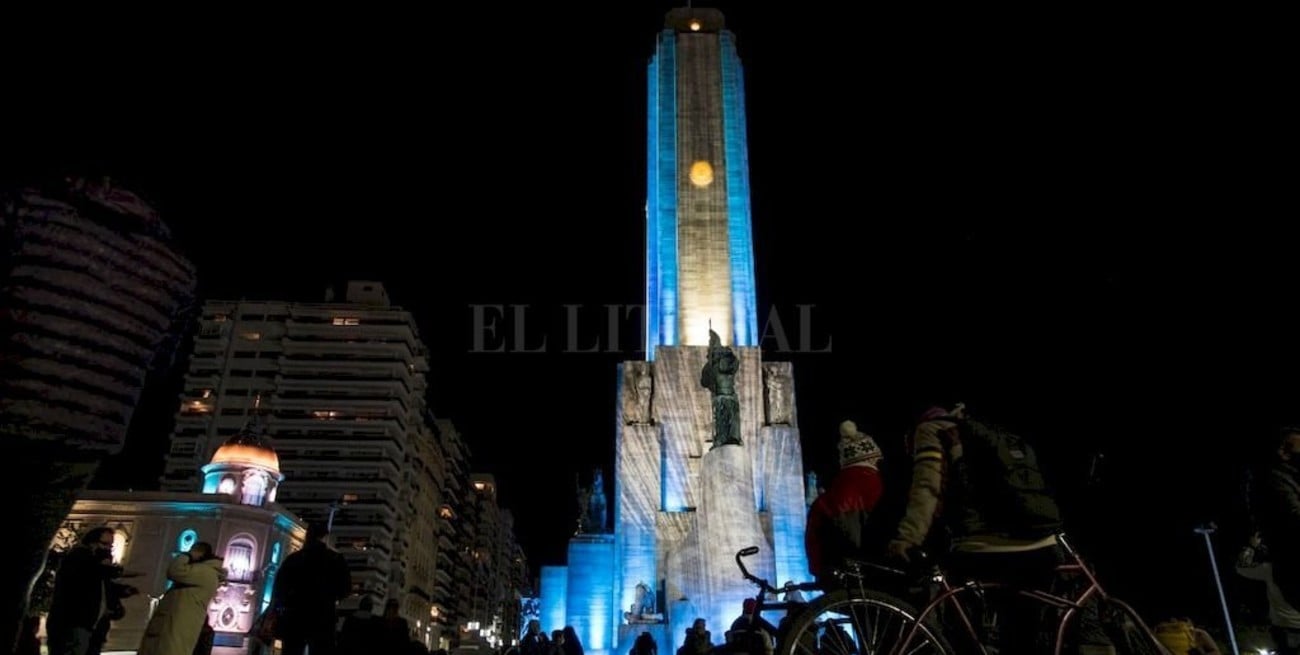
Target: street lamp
{"x":345,"y":499}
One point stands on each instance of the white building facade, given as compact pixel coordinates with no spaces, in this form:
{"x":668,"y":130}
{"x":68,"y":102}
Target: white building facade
{"x":341,"y":387}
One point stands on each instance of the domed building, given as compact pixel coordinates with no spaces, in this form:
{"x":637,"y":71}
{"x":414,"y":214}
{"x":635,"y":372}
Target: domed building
{"x":245,"y":466}
{"x":235,"y":511}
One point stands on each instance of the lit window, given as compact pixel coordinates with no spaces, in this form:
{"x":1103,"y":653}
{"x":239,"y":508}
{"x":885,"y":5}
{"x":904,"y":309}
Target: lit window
{"x":219,"y":318}
{"x":347,"y":321}
{"x":325,"y":414}
{"x":239,"y":559}
{"x":227,"y":486}
{"x":255,"y":483}
{"x":251,"y":336}
{"x":480,"y":485}
{"x":196,"y":407}
{"x":207,"y":393}
{"x":445,"y":512}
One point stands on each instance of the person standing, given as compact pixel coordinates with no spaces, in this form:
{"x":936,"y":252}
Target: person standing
{"x":80,"y":593}
{"x":177,"y":622}
{"x":1277,"y":508}
{"x":307,"y":590}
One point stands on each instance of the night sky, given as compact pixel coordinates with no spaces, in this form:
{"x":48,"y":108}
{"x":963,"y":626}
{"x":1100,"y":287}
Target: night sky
{"x":1073,"y":223}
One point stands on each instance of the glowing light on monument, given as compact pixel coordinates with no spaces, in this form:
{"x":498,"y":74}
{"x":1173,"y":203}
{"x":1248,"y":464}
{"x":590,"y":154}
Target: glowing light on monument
{"x":701,"y":174}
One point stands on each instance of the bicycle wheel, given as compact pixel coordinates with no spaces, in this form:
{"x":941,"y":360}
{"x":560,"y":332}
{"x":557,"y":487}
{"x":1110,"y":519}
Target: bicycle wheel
{"x":862,"y":623}
{"x":1127,"y":631}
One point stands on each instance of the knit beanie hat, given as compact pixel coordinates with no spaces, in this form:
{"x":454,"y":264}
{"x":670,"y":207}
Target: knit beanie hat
{"x":856,"y":447}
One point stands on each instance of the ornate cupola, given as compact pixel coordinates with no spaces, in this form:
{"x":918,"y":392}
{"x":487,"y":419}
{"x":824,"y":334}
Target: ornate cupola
{"x":245,"y":466}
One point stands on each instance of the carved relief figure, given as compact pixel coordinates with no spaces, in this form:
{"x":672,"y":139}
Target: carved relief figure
{"x":638,"y":386}
{"x":780,"y":394}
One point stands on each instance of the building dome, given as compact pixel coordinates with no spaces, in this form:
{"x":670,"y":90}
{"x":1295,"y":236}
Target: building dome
{"x":245,"y":467}
{"x":249,"y":449}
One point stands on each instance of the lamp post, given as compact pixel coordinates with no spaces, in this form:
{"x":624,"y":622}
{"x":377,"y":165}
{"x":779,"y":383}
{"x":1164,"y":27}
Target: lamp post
{"x":345,"y":499}
{"x":1205,"y":531}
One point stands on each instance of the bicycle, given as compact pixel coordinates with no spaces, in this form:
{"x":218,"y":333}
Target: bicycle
{"x":766,"y":590}
{"x":858,"y":619}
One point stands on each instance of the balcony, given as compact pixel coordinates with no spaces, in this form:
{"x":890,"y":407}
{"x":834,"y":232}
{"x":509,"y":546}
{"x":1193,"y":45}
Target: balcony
{"x":368,"y":352}
{"x":344,"y":388}
{"x":361,"y":331}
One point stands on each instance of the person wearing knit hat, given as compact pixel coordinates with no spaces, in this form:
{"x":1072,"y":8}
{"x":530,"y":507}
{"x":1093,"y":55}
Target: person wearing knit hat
{"x":838,"y":522}
{"x":857,"y":448}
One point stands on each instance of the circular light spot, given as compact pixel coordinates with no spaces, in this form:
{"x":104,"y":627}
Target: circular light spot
{"x":701,"y":174}
{"x":695,"y":26}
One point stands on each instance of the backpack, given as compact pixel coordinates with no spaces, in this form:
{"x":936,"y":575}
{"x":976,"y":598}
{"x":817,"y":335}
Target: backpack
{"x":995,"y":484}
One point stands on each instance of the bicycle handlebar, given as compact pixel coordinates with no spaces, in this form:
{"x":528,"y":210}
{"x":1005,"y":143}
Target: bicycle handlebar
{"x":746,"y":552}
{"x":764,"y":584}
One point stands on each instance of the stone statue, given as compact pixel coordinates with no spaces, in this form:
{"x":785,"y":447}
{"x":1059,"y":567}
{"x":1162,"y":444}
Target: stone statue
{"x":596,"y":508}
{"x":584,"y":501}
{"x":638,"y":385}
{"x":591,"y":506}
{"x":779,"y":393}
{"x":642,"y":609}
{"x":719,"y":377}
{"x":645,"y":597}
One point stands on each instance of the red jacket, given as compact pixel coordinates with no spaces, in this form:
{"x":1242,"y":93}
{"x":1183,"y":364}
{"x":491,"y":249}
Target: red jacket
{"x":837,"y":520}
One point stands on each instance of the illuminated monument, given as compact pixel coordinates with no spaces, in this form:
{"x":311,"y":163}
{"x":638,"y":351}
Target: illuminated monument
{"x":685,"y":502}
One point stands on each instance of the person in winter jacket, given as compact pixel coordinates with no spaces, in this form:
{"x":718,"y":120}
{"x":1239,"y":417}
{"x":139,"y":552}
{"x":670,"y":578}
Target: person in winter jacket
{"x":178,"y":621}
{"x":838,"y":521}
{"x":1277,"y":506}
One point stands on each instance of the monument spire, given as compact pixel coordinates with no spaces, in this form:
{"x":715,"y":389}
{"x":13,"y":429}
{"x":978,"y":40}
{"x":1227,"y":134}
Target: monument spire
{"x":699,"y":254}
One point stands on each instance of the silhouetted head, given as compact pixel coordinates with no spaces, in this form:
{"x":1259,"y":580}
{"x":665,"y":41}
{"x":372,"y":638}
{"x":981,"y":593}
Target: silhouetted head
{"x":317,"y":532}
{"x":99,"y":539}
{"x":1288,"y":444}
{"x":201,"y":551}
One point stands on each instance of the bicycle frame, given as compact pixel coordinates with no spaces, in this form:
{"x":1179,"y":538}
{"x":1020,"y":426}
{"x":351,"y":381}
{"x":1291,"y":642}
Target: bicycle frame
{"x":1072,"y":605}
{"x":765,"y":588}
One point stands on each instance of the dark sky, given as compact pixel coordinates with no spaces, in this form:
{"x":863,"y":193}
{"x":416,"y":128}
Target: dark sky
{"x":1072,"y":222}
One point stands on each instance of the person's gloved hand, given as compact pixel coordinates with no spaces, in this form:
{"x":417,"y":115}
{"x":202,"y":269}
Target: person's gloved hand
{"x":898,"y":549}
{"x":1203,"y":643}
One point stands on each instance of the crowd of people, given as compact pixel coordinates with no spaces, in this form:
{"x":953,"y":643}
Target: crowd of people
{"x":303,"y":613}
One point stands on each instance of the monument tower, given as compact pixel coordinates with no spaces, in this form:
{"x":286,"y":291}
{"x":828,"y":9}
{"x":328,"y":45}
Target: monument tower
{"x":707,"y":454}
